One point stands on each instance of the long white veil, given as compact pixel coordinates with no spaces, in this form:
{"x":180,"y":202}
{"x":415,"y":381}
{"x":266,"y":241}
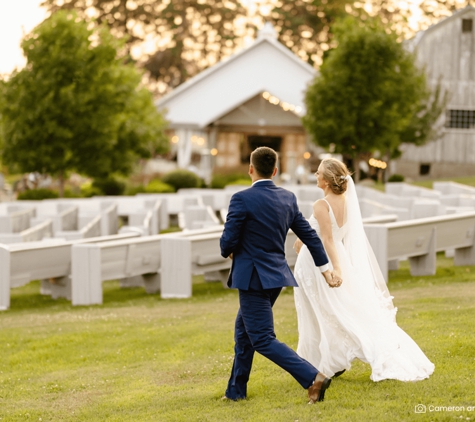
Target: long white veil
{"x":359,"y":251}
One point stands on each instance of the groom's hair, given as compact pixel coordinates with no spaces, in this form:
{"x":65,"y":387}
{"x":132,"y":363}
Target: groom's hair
{"x":264,"y":161}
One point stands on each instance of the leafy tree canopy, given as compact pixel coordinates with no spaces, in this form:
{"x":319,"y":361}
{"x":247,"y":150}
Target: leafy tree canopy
{"x":306,"y":26}
{"x":176,"y":39}
{"x":369,"y":95}
{"x":76,"y":106}
{"x":173,"y":39}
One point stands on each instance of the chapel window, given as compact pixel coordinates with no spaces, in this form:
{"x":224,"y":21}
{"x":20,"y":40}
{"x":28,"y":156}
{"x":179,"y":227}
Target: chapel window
{"x":467,"y":25}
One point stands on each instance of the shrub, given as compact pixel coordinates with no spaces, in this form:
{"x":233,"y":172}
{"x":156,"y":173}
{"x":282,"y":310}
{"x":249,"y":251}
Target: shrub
{"x":109,"y":186}
{"x":37,"y":194}
{"x":157,"y":186}
{"x":182,"y":179}
{"x":396,"y":178}
{"x":72,"y":193}
{"x":134,"y":190}
{"x":219,"y":181}
{"x":88,"y":191}
{"x":242,"y":182}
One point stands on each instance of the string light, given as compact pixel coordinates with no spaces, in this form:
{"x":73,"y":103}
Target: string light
{"x":284,"y":105}
{"x":175,"y":139}
{"x":214,"y":152}
{"x":377,"y":163}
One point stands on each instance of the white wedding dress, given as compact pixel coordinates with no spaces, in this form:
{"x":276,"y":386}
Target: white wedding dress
{"x":356,"y":320}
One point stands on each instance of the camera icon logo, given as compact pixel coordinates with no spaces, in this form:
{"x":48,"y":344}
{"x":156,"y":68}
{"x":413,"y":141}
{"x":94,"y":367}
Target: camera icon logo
{"x":420,"y":408}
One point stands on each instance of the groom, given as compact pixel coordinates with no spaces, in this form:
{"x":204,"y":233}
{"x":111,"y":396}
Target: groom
{"x":254,"y":237}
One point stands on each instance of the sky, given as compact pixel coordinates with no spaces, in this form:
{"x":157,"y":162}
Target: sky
{"x":19,"y":17}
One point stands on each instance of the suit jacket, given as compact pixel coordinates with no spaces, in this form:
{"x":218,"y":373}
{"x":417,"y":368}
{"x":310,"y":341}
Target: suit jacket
{"x":256,"y":227}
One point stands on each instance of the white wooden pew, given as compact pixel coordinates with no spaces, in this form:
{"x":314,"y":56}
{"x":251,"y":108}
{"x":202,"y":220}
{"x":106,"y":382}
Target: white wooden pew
{"x":63,"y":215}
{"x":135,"y":262}
{"x":183,"y":257}
{"x":35,"y":233}
{"x":449,"y":188}
{"x":420,"y":240}
{"x":50,"y":261}
{"x":17,"y":220}
{"x":124,"y":259}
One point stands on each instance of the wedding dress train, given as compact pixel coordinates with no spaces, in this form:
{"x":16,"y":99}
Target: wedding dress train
{"x":356,"y":320}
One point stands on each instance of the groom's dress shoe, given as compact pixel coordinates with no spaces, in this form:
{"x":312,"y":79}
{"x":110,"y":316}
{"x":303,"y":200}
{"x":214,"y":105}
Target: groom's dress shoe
{"x":226,"y":398}
{"x":316,"y":391}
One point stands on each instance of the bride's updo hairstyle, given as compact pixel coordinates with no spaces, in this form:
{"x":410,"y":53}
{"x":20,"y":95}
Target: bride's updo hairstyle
{"x":335,"y":173}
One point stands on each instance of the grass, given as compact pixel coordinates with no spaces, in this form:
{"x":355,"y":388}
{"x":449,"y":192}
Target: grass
{"x":139,"y":358}
{"x":468,"y":180}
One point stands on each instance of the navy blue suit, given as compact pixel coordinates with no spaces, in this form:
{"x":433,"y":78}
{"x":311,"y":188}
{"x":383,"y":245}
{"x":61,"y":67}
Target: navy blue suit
{"x":255,"y":231}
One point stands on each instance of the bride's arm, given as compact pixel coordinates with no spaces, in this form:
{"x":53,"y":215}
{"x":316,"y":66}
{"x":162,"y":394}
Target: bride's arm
{"x":321,"y":213}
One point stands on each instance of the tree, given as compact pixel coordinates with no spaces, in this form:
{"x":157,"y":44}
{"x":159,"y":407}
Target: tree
{"x":2,"y":102}
{"x":370,"y":95}
{"x":434,"y":11}
{"x":183,"y":36}
{"x":76,"y":106}
{"x":305,"y":26}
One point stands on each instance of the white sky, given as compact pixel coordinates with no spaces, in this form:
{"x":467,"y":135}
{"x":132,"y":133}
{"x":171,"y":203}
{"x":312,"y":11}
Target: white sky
{"x":17,"y":17}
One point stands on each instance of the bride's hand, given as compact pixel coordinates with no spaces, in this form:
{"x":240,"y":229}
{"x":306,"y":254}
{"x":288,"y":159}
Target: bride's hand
{"x":337,"y":273}
{"x":332,"y":279}
{"x":298,"y":245}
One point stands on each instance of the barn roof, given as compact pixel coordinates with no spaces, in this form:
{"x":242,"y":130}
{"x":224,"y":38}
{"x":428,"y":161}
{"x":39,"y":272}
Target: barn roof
{"x":413,"y":42}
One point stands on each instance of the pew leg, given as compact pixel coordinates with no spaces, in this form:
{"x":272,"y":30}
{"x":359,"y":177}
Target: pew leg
{"x":393,"y":265}
{"x":464,"y":256}
{"x":45,"y":287}
{"x":425,"y":264}
{"x":176,"y":268}
{"x":59,"y":287}
{"x":130,"y":282}
{"x":4,"y":278}
{"x":220,"y":275}
{"x":86,"y":279}
{"x":450,"y":253}
{"x":151,"y":282}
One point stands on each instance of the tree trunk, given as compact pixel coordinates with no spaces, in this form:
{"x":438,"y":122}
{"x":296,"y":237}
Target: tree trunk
{"x":356,"y":166}
{"x":61,"y":184}
{"x":388,"y":162}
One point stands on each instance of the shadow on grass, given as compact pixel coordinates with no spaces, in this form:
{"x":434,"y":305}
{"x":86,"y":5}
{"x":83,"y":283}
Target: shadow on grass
{"x":446,"y":273}
{"x":29,"y":297}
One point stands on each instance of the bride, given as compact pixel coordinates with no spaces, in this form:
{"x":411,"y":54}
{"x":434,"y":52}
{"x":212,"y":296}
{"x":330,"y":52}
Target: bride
{"x":358,"y":319}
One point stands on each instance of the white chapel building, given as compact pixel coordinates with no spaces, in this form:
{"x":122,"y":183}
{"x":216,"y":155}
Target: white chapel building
{"x":253,"y":98}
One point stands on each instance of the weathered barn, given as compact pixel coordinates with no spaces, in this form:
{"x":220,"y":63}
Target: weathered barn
{"x":447,"y":50}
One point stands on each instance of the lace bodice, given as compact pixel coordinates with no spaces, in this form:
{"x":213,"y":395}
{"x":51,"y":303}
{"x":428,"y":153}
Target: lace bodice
{"x":337,"y":232}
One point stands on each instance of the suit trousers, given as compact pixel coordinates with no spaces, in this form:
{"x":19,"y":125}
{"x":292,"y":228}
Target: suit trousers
{"x":254,"y":331}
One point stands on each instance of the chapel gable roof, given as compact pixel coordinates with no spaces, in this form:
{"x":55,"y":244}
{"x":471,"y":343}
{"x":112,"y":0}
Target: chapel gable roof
{"x":264,"y":66}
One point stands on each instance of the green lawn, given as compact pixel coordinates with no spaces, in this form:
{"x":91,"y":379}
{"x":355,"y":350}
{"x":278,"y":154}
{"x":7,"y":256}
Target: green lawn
{"x":139,"y":358}
{"x":469,"y":180}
